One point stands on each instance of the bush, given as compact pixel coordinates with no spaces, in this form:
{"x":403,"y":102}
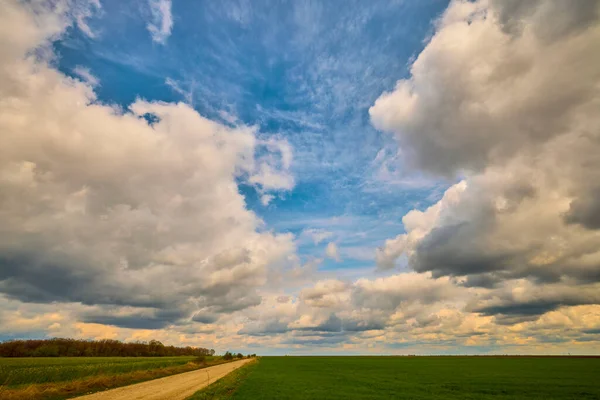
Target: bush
{"x":228,"y":356}
{"x":200,"y":360}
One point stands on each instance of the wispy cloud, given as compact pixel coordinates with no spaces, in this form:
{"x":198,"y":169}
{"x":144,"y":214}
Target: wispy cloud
{"x":85,"y":74}
{"x":317,"y":235}
{"x":188,"y":95}
{"x":82,"y":11}
{"x":161,"y":22}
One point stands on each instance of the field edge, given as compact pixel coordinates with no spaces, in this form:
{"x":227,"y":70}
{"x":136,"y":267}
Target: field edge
{"x":80,"y":387}
{"x":225,"y":387}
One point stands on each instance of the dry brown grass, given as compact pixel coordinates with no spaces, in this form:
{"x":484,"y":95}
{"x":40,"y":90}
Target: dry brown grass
{"x":61,"y":390}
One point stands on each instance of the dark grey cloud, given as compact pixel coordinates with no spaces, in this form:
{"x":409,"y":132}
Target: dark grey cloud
{"x":47,"y":277}
{"x":133,"y":322}
{"x":205,"y":317}
{"x":526,"y":301}
{"x":319,"y":340}
{"x":141,"y":319}
{"x":443,"y":252}
{"x":585,"y":210}
{"x":265,"y":328}
{"x":332,"y":324}
{"x":359,"y":325}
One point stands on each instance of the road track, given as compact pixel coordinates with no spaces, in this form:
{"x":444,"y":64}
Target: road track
{"x":174,"y":387}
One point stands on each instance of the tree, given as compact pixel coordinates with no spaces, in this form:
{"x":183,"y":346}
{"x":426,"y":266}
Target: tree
{"x":94,"y":348}
{"x":228,"y":356}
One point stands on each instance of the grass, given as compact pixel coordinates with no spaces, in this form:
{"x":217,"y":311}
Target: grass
{"x":225,"y":387}
{"x":63,"y":377}
{"x":420,"y":378}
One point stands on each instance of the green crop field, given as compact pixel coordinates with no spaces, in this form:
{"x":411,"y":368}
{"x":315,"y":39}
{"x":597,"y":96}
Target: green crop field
{"x":419,"y":378}
{"x":21,"y":371}
{"x":63,"y":377}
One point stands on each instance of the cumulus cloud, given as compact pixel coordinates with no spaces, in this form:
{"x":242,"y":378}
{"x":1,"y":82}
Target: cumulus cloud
{"x":505,"y":95}
{"x":325,"y":294}
{"x":478,"y":95}
{"x":134,"y":211}
{"x":389,"y":293}
{"x":161,"y":22}
{"x":525,"y":299}
{"x":132,"y":221}
{"x":509,"y":255}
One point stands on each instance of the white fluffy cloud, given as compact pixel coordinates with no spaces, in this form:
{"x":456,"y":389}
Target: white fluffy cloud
{"x":480,"y":91}
{"x":507,"y":96}
{"x":134,"y":211}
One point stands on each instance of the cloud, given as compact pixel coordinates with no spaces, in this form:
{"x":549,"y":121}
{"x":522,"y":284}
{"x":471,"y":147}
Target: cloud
{"x":332,"y":251}
{"x":188,"y":95}
{"x":389,"y":293}
{"x":136,"y":211}
{"x":131,"y":221}
{"x":83,"y":10}
{"x":317,"y":235}
{"x":481,"y":103}
{"x":161,"y":22}
{"x":479,"y":95}
{"x":325,"y":294}
{"x":85,"y":74}
{"x":265,"y":199}
{"x":523,"y":298}
{"x":272,"y":170}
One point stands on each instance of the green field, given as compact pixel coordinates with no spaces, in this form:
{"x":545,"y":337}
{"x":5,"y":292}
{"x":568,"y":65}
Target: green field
{"x":22,"y":371}
{"x":63,"y":377}
{"x":419,"y":378}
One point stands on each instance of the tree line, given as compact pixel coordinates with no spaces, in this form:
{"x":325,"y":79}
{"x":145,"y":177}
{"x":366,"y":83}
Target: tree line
{"x":230,"y":356}
{"x":59,"y":347}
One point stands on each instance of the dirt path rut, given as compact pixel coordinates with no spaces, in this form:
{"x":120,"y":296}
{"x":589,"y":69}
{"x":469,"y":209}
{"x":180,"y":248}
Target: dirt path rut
{"x":174,"y":387}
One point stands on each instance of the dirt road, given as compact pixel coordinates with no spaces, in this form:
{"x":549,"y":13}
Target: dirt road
{"x":174,"y":387}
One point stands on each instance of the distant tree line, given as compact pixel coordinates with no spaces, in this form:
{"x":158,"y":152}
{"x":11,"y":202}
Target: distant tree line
{"x":230,"y":356}
{"x":95,"y":348}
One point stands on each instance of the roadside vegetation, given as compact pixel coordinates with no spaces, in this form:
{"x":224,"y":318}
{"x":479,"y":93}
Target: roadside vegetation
{"x":225,"y":387}
{"x":416,"y":378}
{"x":64,"y":377}
{"x":95,"y":348}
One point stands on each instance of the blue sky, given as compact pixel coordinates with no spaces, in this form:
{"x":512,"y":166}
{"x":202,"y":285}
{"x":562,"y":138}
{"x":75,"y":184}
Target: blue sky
{"x":303,"y":71}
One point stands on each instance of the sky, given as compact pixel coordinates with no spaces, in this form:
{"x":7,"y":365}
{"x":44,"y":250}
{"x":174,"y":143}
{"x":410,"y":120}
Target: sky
{"x":299,"y":177}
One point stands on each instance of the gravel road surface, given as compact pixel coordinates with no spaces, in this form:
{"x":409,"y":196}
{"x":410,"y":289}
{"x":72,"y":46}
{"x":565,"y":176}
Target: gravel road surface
{"x":174,"y":387}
